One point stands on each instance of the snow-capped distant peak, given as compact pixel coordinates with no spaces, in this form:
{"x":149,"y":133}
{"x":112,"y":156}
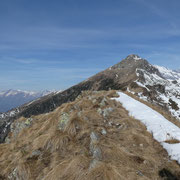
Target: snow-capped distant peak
{"x":168,"y":73}
{"x":12,"y":98}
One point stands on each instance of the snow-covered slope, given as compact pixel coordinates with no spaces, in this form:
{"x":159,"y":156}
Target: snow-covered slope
{"x":162,"y":129}
{"x":12,"y":98}
{"x":160,"y":86}
{"x":169,"y":74}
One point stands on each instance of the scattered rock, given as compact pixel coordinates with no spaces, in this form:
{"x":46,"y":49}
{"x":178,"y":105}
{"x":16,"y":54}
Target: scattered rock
{"x":94,"y":138}
{"x":13,"y":175}
{"x":94,"y":101}
{"x":139,"y":173}
{"x":93,"y":164}
{"x":103,"y":132}
{"x":79,"y":113}
{"x":63,"y":120}
{"x":141,"y":145}
{"x":94,"y":149}
{"x":110,"y":123}
{"x":107,"y":111}
{"x":173,"y":104}
{"x":100,"y":111}
{"x":104,"y":102}
{"x":35,"y":154}
{"x":16,"y":127}
{"x":97,"y":153}
{"x":118,"y":125}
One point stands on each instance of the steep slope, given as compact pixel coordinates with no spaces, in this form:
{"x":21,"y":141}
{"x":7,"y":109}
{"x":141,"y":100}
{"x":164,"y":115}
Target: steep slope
{"x":162,"y":89}
{"x":13,"y":98}
{"x":91,"y":138}
{"x":132,"y":74}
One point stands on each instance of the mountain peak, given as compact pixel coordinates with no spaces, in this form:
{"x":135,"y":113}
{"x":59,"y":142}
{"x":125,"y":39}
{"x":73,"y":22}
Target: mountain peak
{"x":133,"y":57}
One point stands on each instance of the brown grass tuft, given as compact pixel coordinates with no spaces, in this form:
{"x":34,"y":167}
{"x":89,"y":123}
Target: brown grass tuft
{"x":172,"y":141}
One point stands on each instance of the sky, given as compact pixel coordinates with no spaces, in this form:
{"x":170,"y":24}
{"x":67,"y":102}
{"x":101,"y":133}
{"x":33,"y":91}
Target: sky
{"x":54,"y":44}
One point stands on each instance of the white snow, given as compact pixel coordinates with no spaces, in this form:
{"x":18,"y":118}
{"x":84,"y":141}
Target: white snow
{"x":161,"y":128}
{"x":137,"y":58}
{"x":172,"y":90}
{"x":128,"y":90}
{"x":168,"y":73}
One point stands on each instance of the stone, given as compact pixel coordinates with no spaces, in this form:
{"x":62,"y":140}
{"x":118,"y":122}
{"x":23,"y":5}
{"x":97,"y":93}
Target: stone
{"x":103,"y":132}
{"x":79,"y":113}
{"x":13,"y":175}
{"x":63,"y":120}
{"x":93,"y":164}
{"x":107,"y":111}
{"x":118,"y":125}
{"x":16,"y":127}
{"x":103,"y":102}
{"x":139,"y":173}
{"x":35,"y":153}
{"x":94,"y":149}
{"x":97,"y":153}
{"x":94,"y":101}
{"x":94,"y":137}
{"x":110,"y":123}
{"x":100,"y":111}
{"x":141,"y":145}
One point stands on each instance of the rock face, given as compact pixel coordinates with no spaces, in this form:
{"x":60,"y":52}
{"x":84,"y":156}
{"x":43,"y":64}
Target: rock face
{"x":134,"y":74}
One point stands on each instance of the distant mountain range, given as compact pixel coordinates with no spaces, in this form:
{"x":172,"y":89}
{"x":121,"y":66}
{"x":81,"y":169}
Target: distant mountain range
{"x":13,"y":98}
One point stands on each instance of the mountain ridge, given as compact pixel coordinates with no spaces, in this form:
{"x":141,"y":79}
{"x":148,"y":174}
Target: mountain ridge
{"x":98,"y":129}
{"x":131,"y":74}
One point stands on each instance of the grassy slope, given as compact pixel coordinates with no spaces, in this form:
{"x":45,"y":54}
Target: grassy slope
{"x":44,"y":150}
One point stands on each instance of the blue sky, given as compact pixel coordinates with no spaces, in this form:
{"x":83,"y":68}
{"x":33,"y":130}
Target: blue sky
{"x":55,"y":44}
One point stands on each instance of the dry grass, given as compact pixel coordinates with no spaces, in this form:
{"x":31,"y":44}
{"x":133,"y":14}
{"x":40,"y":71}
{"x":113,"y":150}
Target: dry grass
{"x":172,"y":141}
{"x":43,"y":151}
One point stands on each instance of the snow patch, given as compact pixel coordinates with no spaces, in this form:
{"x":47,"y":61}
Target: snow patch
{"x":169,"y":79}
{"x":161,"y":128}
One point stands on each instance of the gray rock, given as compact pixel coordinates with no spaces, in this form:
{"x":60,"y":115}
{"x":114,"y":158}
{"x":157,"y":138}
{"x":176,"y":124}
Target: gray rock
{"x":103,"y":131}
{"x":35,"y":153}
{"x":100,"y":111}
{"x":16,"y":127}
{"x":139,"y":173}
{"x":103,"y":102}
{"x":94,"y":149}
{"x":97,"y":154}
{"x":141,"y":145}
{"x":94,"y":101}
{"x":13,"y":175}
{"x":63,"y":120}
{"x":94,"y":137}
{"x":107,"y":111}
{"x":93,"y":164}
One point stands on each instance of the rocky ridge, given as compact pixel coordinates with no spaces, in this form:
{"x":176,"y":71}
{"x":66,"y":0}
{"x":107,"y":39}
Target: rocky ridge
{"x":132,"y":74}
